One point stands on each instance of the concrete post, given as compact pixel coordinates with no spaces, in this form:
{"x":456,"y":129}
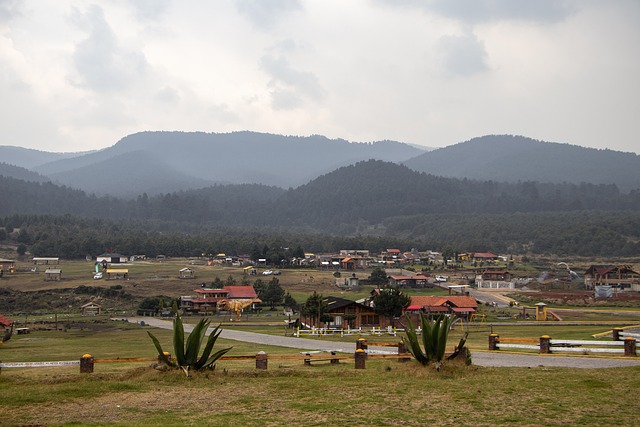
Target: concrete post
{"x":545,"y":344}
{"x":86,"y":364}
{"x":361,"y":358}
{"x":615,"y":334}
{"x":494,"y":339}
{"x":630,"y":346}
{"x":261,"y":360}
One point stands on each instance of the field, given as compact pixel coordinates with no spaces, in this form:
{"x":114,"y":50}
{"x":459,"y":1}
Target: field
{"x":386,"y":393}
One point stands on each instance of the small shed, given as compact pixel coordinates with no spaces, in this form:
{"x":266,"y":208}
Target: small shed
{"x":117,"y":273}
{"x":7,"y":265}
{"x":187,"y":273}
{"x":46,"y":261}
{"x":112,"y":258}
{"x":5,"y":321}
{"x":52,"y":274}
{"x":91,"y":309}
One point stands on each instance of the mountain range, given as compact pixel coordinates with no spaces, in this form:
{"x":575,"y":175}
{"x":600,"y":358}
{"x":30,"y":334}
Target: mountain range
{"x":164,"y":162}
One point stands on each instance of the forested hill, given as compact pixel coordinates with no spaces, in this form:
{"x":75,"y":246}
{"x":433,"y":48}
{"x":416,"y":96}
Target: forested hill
{"x":161,"y":162}
{"x":376,"y":203}
{"x":20,"y":173}
{"x":517,"y":158}
{"x":363,"y":194}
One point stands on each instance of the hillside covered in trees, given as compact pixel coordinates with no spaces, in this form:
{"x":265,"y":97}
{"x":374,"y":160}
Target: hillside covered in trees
{"x":376,"y":203}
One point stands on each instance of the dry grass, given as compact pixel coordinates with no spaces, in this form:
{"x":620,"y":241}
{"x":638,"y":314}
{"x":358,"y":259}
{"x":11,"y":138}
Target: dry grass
{"x":385,"y":394}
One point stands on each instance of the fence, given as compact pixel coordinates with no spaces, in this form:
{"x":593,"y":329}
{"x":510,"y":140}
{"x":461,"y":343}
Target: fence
{"x":346,"y":332}
{"x":87,"y":362}
{"x":545,"y":345}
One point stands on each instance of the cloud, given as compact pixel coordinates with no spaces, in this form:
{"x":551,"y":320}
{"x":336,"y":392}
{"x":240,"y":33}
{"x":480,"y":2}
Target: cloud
{"x":149,"y":10}
{"x":9,"y":9}
{"x":102,"y":65}
{"x":265,"y":13}
{"x":290,"y":86}
{"x":462,"y":55}
{"x":486,"y":11}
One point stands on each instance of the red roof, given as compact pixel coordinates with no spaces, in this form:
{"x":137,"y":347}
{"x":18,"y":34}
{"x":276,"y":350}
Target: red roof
{"x":393,"y":251}
{"x":241,"y":292}
{"x":211,"y":291}
{"x":484,"y":255}
{"x":5,"y":321}
{"x":449,"y":301}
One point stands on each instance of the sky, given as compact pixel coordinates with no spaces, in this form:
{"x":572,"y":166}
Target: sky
{"x":80,"y":75}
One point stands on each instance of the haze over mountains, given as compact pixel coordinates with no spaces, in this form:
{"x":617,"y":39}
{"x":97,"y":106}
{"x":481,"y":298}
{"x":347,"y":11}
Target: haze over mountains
{"x":164,"y":162}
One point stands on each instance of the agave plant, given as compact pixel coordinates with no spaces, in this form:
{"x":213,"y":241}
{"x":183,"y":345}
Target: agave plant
{"x":186,"y":358}
{"x":435,"y":333}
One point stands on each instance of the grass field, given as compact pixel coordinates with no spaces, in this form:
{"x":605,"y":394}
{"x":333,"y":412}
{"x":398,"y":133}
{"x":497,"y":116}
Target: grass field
{"x":386,"y":393}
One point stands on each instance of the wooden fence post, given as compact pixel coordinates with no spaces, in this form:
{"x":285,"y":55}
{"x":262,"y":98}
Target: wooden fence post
{"x":494,"y":339}
{"x":361,"y":358}
{"x":402,"y":348}
{"x":86,"y":364}
{"x":615,"y":334}
{"x":545,"y":344}
{"x":630,"y":346}
{"x":167,"y":354}
{"x":261,"y":360}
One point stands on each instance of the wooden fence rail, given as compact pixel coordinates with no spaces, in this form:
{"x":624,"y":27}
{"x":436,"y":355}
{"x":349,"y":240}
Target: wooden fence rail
{"x":360,"y":356}
{"x":546,"y":345}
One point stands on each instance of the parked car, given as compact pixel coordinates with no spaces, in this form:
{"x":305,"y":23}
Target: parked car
{"x":97,"y":276}
{"x":277,"y":272}
{"x":441,"y":278}
{"x":267,"y":273}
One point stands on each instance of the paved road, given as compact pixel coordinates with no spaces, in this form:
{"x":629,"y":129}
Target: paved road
{"x":480,"y":358}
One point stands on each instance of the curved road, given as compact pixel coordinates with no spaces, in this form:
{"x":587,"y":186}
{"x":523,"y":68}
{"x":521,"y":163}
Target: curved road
{"x":480,"y":358}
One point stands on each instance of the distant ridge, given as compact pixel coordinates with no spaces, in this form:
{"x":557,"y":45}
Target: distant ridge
{"x":169,"y":161}
{"x":516,"y":158}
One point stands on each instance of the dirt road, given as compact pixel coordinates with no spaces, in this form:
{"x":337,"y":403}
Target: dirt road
{"x":480,"y":358}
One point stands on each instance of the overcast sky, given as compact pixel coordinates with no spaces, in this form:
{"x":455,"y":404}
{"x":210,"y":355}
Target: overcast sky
{"x":80,"y":75}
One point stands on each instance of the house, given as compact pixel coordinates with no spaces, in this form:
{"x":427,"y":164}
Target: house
{"x":417,"y":281}
{"x":7,"y":265}
{"x":187,"y":273}
{"x":461,"y":306}
{"x":112,"y":258}
{"x":52,"y":274}
{"x":207,"y":300}
{"x":347,"y":314}
{"x":485,"y":256}
{"x":5,"y":322}
{"x":348,"y":282}
{"x":91,"y":309}
{"x":621,"y":277}
{"x":495,"y":279}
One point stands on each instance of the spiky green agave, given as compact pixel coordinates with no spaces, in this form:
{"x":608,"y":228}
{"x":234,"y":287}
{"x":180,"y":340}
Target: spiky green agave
{"x":187,"y":358}
{"x":435,"y":333}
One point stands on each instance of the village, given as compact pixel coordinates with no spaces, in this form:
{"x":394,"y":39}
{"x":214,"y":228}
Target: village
{"x":464,"y":285}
